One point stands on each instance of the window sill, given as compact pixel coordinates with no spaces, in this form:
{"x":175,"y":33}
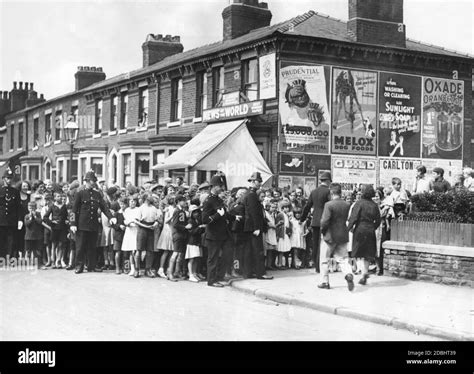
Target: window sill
{"x":11,"y":150}
{"x":113,"y":132}
{"x":35,"y":148}
{"x":140,"y":129}
{"x":57,"y":141}
{"x":46,"y":145}
{"x":122,"y":131}
{"x":20,"y":149}
{"x":173,"y":124}
{"x":197,"y":119}
{"x":95,"y":136}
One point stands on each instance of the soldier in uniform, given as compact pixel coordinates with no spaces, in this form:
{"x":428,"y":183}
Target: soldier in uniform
{"x":85,"y":222}
{"x":10,"y":214}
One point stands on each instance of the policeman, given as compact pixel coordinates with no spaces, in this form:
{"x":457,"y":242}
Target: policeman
{"x":217,"y":235}
{"x":85,"y":222}
{"x":10,"y":214}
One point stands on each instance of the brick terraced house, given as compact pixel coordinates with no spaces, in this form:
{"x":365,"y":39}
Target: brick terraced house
{"x":291,"y":100}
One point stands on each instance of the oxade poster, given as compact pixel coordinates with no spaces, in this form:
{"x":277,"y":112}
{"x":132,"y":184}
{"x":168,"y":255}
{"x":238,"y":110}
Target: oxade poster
{"x":399,"y":118}
{"x":352,"y":171}
{"x":304,"y":111}
{"x":403,"y":168}
{"x":354,"y":109}
{"x":443,"y":118}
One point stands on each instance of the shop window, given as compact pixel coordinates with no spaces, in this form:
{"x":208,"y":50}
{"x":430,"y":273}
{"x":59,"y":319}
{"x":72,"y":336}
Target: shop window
{"x":158,"y":158}
{"x":176,"y":99}
{"x":250,"y":79}
{"x":34,"y":172}
{"x":57,"y":125}
{"x":12,"y":137}
{"x":124,"y":111}
{"x":36,"y":132}
{"x":142,"y":168}
{"x":98,"y":117}
{"x":48,"y":137}
{"x":20,"y":135}
{"x":177,"y":173}
{"x":217,"y":85}
{"x":113,"y":112}
{"x":24,"y":172}
{"x":97,"y":166}
{"x":113,"y":161}
{"x":74,"y":169}
{"x":127,"y":168}
{"x":143,"y":107}
{"x":201,"y":93}
{"x":60,"y":168}
{"x":83,"y":166}
{"x":47,"y":170}
{"x":201,"y":176}
{"x":1,"y":145}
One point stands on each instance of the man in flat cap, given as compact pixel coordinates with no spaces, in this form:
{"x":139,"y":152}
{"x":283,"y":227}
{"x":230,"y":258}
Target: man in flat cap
{"x":85,"y":222}
{"x":10,"y":214}
{"x":317,"y":199}
{"x":254,"y":225}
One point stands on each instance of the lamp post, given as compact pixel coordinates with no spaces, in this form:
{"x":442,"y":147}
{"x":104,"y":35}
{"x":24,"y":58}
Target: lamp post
{"x":71,"y":131}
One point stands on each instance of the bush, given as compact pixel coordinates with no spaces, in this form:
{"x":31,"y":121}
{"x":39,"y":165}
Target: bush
{"x":454,"y":206}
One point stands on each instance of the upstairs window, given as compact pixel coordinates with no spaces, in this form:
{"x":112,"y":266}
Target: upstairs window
{"x":12,"y":136}
{"x":48,"y":137}
{"x":201,"y":93}
{"x":20,"y":135}
{"x":250,"y":79}
{"x":98,"y":117}
{"x":176,"y":99}
{"x":218,"y":85}
{"x":143,"y":108}
{"x":113,"y":112}
{"x":58,"y":125}
{"x":124,"y":111}
{"x":1,"y":145}
{"x":36,"y":132}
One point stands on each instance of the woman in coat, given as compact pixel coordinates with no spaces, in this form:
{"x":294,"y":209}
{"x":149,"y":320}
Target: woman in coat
{"x":364,"y":220}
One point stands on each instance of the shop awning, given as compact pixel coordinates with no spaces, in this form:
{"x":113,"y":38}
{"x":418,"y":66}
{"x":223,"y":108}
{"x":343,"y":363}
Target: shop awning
{"x":11,"y":160}
{"x":226,"y":147}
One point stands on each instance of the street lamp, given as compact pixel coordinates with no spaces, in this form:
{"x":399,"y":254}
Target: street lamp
{"x":71,"y":131}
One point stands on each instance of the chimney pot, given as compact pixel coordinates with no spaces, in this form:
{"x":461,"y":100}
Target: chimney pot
{"x":21,"y":85}
{"x":31,"y":86}
{"x":42,"y":97}
{"x":14,"y":85}
{"x":5,"y":95}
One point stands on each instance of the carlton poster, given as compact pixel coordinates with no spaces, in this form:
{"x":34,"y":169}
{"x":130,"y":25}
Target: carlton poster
{"x":354,"y":107}
{"x":304,"y":112}
{"x":399,"y":115}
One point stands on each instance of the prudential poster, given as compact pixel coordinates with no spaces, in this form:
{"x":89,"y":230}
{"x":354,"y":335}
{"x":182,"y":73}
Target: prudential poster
{"x":354,"y":109}
{"x":304,"y":112}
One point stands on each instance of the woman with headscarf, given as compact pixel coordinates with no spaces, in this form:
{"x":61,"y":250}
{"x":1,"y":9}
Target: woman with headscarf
{"x":363,"y":221}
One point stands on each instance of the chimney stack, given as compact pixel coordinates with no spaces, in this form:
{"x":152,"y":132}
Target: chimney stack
{"x":157,"y":48}
{"x":377,"y":22}
{"x":86,"y":76}
{"x":18,"y":97}
{"x":243,"y":16}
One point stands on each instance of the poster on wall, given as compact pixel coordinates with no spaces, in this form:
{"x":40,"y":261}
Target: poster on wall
{"x":292,"y":163}
{"x":351,"y":172}
{"x":303,"y":108}
{"x":284,"y":182}
{"x":267,"y":84}
{"x":451,"y":168}
{"x":315,"y":163}
{"x":354,"y":111}
{"x":443,"y":118}
{"x":309,"y":185}
{"x":399,"y":119}
{"x":403,"y":168}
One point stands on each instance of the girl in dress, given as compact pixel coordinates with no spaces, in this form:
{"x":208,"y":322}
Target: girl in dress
{"x":270,"y":238}
{"x":165,"y":242}
{"x":193,"y":249}
{"x":283,"y":229}
{"x":298,"y":242}
{"x":129,"y":243}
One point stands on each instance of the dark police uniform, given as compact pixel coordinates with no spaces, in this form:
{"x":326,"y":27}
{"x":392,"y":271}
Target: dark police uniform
{"x":85,"y":216}
{"x":10,"y":214}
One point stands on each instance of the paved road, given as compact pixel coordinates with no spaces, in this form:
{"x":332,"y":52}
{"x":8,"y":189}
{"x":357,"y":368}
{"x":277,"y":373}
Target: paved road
{"x":59,"y":305}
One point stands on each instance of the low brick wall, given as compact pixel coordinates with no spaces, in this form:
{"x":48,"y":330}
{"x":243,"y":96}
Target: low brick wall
{"x":433,"y":263}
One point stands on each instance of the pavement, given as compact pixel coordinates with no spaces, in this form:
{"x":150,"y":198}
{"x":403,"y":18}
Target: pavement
{"x":421,"y":307}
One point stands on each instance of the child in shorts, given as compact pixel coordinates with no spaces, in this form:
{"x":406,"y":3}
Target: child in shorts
{"x":56,"y":217}
{"x":33,"y":233}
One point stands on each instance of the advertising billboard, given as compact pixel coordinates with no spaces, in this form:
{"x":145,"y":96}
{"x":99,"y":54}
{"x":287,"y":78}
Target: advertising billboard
{"x":354,"y":110}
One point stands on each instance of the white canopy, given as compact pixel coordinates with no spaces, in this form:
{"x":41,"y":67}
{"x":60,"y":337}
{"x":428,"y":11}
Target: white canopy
{"x":226,"y":147}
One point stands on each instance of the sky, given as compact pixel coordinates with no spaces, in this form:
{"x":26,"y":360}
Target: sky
{"x":45,"y":41}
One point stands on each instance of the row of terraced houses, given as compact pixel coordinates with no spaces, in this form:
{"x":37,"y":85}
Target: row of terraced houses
{"x":133,"y":121}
